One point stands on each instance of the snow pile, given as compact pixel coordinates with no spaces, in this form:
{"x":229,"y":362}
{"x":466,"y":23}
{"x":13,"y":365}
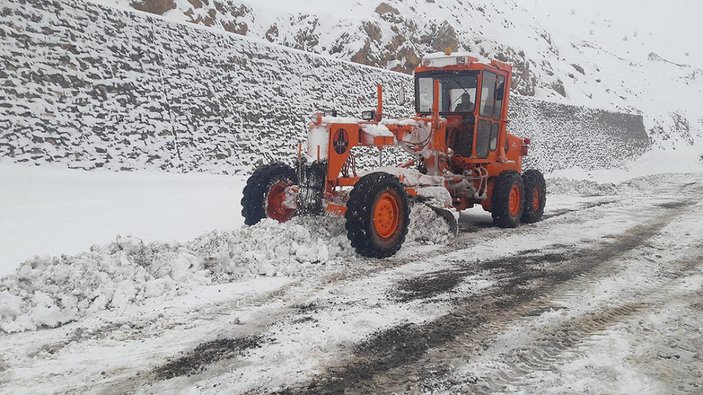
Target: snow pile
{"x":644,"y":173}
{"x":50,"y":291}
{"x":46,"y":292}
{"x":272,"y":248}
{"x":566,"y":186}
{"x":587,"y":187}
{"x":427,"y":227}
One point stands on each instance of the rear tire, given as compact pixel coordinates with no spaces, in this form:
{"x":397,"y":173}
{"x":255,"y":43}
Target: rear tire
{"x":507,"y":200}
{"x":263,"y":194}
{"x":377,"y":215}
{"x":535,"y":196}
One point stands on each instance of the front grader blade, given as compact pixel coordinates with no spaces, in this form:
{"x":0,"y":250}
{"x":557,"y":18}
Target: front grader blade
{"x":449,"y":215}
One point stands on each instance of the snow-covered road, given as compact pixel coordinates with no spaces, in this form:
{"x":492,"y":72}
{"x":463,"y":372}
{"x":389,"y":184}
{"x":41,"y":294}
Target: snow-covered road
{"x":604,"y":295}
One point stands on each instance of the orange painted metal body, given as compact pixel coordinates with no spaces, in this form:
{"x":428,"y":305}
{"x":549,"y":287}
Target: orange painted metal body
{"x":480,"y":172}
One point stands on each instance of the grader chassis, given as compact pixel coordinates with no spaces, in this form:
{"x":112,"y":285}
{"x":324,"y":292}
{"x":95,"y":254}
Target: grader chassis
{"x":463,"y":156}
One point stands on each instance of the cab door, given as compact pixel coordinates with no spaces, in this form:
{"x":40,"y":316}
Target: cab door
{"x":489,"y":112}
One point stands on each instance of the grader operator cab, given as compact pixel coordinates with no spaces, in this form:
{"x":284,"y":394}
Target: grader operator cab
{"x":462,"y":155}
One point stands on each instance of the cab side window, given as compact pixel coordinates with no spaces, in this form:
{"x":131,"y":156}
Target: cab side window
{"x":491,"y":108}
{"x":488,"y":89}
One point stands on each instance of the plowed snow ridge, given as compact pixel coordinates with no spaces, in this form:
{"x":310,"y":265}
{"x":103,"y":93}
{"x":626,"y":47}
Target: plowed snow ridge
{"x":48,"y":292}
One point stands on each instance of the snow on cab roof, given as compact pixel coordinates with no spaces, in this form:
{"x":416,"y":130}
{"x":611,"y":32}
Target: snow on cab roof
{"x":443,"y":55}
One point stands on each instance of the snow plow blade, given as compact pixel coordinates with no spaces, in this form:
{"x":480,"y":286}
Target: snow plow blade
{"x":449,"y":215}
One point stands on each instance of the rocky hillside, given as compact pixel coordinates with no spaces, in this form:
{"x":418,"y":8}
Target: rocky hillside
{"x":550,"y":63}
{"x":90,"y":86}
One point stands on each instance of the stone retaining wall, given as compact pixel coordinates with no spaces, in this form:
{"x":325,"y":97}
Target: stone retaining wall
{"x":95,"y":87}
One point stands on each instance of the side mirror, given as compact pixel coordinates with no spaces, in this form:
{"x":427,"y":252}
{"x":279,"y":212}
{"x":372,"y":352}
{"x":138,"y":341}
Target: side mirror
{"x":368,"y":115}
{"x":401,"y":97}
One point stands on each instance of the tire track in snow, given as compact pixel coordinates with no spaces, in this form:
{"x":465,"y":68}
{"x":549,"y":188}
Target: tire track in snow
{"x":561,"y":343}
{"x":205,"y":354}
{"x":543,"y":354}
{"x":559,"y":213}
{"x":524,"y":285}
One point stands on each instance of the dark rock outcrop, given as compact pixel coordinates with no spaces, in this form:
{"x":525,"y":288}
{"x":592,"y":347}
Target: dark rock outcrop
{"x":158,"y":7}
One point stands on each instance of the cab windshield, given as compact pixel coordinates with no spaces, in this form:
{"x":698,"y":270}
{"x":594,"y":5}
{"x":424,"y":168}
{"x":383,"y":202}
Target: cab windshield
{"x":457,"y":91}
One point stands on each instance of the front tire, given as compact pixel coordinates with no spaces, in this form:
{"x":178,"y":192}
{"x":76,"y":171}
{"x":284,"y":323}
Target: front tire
{"x":535,"y":196}
{"x":377,"y":215}
{"x":508,"y":201}
{"x":264,"y":193}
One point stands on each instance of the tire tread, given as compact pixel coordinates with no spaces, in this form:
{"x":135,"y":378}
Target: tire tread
{"x":257,"y":187}
{"x":359,"y":214}
{"x":533,"y":178}
{"x":500,"y":211}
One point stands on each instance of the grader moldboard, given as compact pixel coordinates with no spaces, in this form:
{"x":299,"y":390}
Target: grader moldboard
{"x":464,"y":156}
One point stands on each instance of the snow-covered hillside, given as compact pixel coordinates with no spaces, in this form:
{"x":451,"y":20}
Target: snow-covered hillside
{"x":618,"y":55}
{"x":175,"y":96}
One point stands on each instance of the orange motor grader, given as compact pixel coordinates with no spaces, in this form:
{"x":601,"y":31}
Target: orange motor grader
{"x":462,"y":155}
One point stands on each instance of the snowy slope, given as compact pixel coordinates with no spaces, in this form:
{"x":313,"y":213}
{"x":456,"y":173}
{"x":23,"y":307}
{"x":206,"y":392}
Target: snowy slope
{"x":631,"y":56}
{"x":632,"y":28}
{"x":179,"y":97}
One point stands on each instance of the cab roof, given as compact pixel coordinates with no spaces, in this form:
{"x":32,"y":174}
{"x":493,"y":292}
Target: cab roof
{"x":460,"y":61}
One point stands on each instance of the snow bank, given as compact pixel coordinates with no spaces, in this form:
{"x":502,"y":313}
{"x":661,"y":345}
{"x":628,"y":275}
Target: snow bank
{"x":644,"y":184}
{"x":51,"y":210}
{"x":565,"y":186}
{"x":685,"y":159}
{"x":644,"y":173}
{"x":50,"y":291}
